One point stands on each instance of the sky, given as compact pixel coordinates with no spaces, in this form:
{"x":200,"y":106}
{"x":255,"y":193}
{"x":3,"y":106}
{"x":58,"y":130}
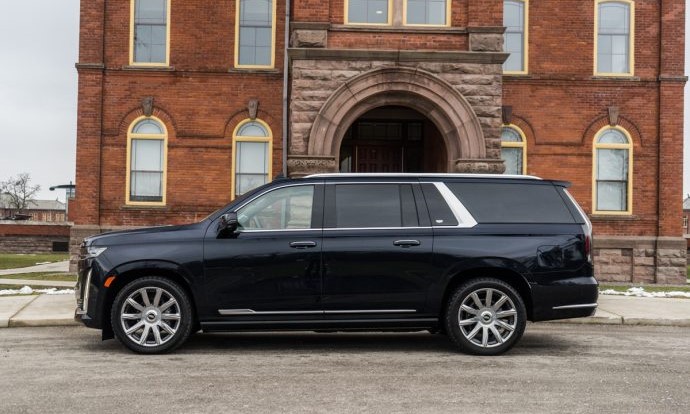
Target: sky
{"x":38,"y":92}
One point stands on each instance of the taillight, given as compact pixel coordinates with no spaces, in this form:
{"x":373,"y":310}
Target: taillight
{"x":588,"y":243}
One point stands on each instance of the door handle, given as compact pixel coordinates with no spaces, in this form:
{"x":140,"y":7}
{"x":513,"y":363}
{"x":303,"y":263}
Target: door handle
{"x":302,"y":244}
{"x":406,"y":243}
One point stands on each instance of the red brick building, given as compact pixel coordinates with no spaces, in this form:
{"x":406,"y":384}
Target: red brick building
{"x":183,"y":105}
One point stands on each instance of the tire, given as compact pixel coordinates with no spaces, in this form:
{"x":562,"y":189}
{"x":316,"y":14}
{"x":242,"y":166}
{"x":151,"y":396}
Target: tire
{"x":478,"y":329}
{"x":156,"y":323}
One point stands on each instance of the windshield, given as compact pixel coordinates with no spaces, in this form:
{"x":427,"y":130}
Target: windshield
{"x":237,"y":200}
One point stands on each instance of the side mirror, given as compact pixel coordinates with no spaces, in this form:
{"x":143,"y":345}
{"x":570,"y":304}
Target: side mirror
{"x":228,"y":224}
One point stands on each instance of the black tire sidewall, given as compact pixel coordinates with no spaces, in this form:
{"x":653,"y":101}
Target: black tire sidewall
{"x":186,"y":314}
{"x":453,"y":306}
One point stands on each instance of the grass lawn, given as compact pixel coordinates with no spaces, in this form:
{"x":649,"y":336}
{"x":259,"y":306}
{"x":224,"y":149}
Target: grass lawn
{"x":647,"y":288}
{"x":63,"y":277}
{"x":11,"y":261}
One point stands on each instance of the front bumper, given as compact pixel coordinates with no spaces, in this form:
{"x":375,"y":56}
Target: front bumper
{"x":87,"y":292}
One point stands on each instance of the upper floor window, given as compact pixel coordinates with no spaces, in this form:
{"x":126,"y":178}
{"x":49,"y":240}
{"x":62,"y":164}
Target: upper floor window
{"x":251,"y":148}
{"x":427,"y":12}
{"x":514,"y":150}
{"x":146,"y":162}
{"x":368,"y":12}
{"x":515,"y":39}
{"x":614,"y":38}
{"x":150,"y":32}
{"x":612,"y":172}
{"x":255,"y":34}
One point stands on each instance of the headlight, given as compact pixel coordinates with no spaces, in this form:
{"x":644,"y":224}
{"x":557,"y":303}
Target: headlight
{"x":94,"y":251}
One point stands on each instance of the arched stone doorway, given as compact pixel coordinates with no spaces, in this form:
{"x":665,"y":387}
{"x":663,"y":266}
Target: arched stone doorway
{"x":392,"y":139}
{"x":412,"y":88}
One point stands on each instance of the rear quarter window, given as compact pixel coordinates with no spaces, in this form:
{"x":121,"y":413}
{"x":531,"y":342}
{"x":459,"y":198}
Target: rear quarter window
{"x":513,"y":202}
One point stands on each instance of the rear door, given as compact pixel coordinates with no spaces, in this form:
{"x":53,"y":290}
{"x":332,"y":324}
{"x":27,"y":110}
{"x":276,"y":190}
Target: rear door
{"x":377,"y":246}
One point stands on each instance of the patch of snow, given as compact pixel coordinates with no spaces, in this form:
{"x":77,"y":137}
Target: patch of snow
{"x":27,"y":290}
{"x":42,"y":263}
{"x":641,"y":293}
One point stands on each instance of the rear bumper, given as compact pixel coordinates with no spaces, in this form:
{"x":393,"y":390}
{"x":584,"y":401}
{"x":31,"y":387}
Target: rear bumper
{"x":570,"y":298}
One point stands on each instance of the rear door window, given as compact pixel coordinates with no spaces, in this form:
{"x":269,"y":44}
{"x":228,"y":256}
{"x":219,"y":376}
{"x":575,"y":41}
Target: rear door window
{"x":512,"y":202}
{"x":371,"y":205}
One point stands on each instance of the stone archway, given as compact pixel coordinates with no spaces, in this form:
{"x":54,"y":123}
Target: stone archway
{"x":397,"y":86}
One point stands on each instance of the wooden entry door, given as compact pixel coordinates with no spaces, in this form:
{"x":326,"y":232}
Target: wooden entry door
{"x":379,"y":158}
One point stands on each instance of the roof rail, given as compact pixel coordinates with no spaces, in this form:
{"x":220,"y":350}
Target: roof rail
{"x":414,"y":175}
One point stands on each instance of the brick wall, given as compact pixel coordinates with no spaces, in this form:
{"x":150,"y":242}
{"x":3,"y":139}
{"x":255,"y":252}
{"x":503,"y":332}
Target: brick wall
{"x":31,"y":237}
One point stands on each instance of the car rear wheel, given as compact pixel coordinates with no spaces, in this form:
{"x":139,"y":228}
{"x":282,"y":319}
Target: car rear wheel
{"x":152,"y":315}
{"x":485,"y":317}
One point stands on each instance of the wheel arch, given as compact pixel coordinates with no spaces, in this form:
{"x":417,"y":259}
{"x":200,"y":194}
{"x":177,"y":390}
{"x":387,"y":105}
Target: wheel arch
{"x":132,"y":271}
{"x":508,"y":275}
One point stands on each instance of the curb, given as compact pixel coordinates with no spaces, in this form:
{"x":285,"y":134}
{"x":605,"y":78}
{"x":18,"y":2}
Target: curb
{"x":41,"y":323}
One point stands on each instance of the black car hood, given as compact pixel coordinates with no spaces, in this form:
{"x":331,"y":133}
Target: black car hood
{"x":137,"y":235}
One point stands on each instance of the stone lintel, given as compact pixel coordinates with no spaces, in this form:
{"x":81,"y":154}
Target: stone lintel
{"x":397,"y":55}
{"x":397,"y":29}
{"x":303,"y":165}
{"x":309,"y":25}
{"x":486,"y":42}
{"x":638,"y":242}
{"x":479,"y":166}
{"x":309,"y":38}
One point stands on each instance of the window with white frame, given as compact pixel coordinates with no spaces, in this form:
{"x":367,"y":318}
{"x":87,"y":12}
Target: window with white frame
{"x":255,"y":33}
{"x":146,"y":173}
{"x":515,"y":37}
{"x":252,"y":156}
{"x":427,"y":12}
{"x":150,"y":32}
{"x":613,"y":162}
{"x":614,"y":40}
{"x":513,"y":150}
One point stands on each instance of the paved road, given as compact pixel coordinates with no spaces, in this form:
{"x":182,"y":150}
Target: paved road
{"x":556,"y":368}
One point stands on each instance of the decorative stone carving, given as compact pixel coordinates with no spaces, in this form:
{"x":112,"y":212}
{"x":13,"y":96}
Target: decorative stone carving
{"x":486,"y":42}
{"x":613,"y":115}
{"x":507,"y":114}
{"x":147,"y":106}
{"x":479,"y":166}
{"x":309,"y":38}
{"x":302,"y":165}
{"x":253,"y":108}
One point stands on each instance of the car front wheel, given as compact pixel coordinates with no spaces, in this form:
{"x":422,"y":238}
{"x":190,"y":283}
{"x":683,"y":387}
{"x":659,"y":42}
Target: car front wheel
{"x":152,"y":315}
{"x":485,"y":316}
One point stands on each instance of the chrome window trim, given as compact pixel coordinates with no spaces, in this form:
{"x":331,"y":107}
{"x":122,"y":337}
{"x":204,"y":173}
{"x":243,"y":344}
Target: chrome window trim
{"x":578,"y":306}
{"x":465,"y":219}
{"x":251,"y":312}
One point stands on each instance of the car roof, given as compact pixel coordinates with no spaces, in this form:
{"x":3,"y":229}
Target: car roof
{"x":423,"y":175}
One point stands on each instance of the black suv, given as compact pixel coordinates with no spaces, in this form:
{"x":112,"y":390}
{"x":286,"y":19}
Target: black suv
{"x":471,"y":256}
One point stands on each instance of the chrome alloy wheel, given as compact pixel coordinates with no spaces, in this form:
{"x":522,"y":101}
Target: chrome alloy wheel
{"x":150,"y":316}
{"x":487,"y":317}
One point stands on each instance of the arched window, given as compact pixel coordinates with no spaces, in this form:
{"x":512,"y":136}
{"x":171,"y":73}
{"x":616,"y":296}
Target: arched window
{"x":614,"y":38}
{"x":251,"y":149}
{"x":147,"y":151}
{"x":514,"y":150}
{"x":613,"y":156}
{"x":515,"y":38}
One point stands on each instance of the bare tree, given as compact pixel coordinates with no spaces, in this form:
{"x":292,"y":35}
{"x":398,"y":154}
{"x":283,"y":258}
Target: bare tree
{"x":18,"y":192}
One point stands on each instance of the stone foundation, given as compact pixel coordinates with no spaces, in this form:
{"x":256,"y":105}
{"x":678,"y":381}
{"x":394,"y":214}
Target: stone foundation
{"x":640,"y":259}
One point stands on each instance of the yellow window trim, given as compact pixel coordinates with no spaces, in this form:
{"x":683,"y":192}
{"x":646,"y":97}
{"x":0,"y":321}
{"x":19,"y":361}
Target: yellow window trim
{"x":631,"y":40}
{"x":131,"y":39}
{"x":448,"y":16}
{"x":164,"y":138}
{"x":389,"y":21}
{"x":525,"y":44}
{"x":237,"y":39}
{"x":629,"y":147}
{"x":235,"y":139}
{"x":522,"y":145}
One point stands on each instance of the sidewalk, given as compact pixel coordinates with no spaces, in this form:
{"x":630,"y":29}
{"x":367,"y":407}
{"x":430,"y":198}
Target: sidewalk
{"x":54,"y":310}
{"x":56,"y":267}
{"x":30,"y":282}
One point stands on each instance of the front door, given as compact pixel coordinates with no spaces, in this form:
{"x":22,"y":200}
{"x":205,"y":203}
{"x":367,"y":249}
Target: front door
{"x":270,"y":267}
{"x":377,"y":251}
